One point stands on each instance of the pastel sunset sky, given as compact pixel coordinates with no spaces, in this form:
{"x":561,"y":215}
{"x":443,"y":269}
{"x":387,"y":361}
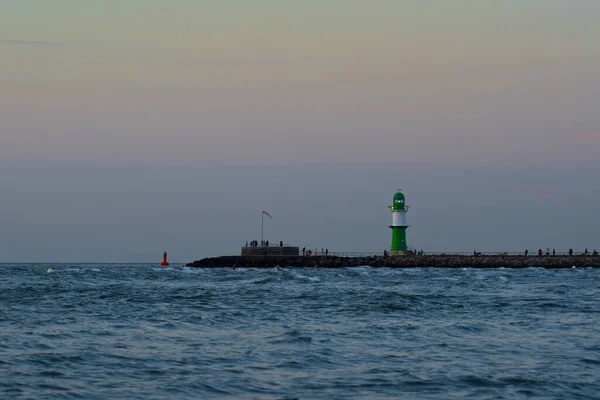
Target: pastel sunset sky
{"x":131,"y":127}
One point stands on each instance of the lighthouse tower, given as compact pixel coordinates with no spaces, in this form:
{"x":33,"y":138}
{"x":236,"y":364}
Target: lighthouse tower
{"x":399,"y":210}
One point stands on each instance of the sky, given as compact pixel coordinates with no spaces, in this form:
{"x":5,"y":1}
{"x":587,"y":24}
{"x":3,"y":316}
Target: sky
{"x":129,"y":128}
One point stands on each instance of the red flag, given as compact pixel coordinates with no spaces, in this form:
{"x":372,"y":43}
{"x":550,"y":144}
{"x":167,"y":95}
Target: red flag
{"x":268,"y":215}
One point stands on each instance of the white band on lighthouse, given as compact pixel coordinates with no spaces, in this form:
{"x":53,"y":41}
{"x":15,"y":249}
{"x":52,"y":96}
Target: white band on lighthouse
{"x":399,"y":218}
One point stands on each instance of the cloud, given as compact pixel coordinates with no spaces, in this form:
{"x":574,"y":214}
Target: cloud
{"x":29,"y":43}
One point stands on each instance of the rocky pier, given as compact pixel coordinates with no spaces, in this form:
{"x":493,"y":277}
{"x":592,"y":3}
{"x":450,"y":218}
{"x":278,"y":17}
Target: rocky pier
{"x":411,"y":261}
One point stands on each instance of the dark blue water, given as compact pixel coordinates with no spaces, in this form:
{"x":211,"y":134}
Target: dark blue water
{"x":141,"y":332}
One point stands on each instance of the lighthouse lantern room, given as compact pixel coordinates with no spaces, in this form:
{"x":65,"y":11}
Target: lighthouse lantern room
{"x":399,"y":210}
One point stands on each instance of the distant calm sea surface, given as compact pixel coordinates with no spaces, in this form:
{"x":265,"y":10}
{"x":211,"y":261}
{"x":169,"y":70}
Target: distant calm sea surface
{"x":142,"y":332}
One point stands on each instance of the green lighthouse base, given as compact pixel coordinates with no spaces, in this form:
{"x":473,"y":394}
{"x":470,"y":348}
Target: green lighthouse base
{"x":398,"y":247}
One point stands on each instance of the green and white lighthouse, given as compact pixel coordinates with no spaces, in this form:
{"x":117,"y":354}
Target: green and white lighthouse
{"x":399,"y":210}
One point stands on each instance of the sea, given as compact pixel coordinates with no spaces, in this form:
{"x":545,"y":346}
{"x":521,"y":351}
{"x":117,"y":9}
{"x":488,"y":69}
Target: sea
{"x":140,"y":331}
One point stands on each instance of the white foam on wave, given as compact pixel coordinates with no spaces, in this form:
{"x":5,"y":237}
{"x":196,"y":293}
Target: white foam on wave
{"x":307,"y":278}
{"x":493,"y":274}
{"x":387,"y":271}
{"x":360,"y":267}
{"x":446,"y":278}
{"x":482,"y":275}
{"x":64,"y":270}
{"x":190,"y":270}
{"x":362,"y":270}
{"x":95,"y":269}
{"x":538,"y":269}
{"x":157,"y":269}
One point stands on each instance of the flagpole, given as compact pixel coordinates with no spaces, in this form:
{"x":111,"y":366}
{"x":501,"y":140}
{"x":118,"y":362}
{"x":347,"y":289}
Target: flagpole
{"x":262,"y":227}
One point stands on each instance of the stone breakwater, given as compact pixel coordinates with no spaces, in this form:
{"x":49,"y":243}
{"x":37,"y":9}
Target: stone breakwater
{"x":437,"y":261}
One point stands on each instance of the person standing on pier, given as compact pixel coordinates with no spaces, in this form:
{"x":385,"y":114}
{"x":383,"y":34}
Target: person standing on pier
{"x":526,"y":252}
{"x":570,"y":252}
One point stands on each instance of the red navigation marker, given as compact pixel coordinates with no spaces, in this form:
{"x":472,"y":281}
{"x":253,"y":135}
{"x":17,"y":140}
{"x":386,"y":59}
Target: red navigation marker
{"x":164,"y":262}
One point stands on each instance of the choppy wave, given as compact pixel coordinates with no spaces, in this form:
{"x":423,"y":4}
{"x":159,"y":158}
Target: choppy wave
{"x":142,"y":331}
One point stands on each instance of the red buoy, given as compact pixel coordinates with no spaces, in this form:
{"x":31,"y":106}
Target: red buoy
{"x":164,"y":262}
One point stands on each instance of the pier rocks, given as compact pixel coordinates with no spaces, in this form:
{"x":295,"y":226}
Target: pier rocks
{"x":410,"y":261}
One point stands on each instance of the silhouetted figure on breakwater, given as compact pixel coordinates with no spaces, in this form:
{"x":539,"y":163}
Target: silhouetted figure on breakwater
{"x":553,"y":252}
{"x":526,"y":252}
{"x":570,"y":252}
